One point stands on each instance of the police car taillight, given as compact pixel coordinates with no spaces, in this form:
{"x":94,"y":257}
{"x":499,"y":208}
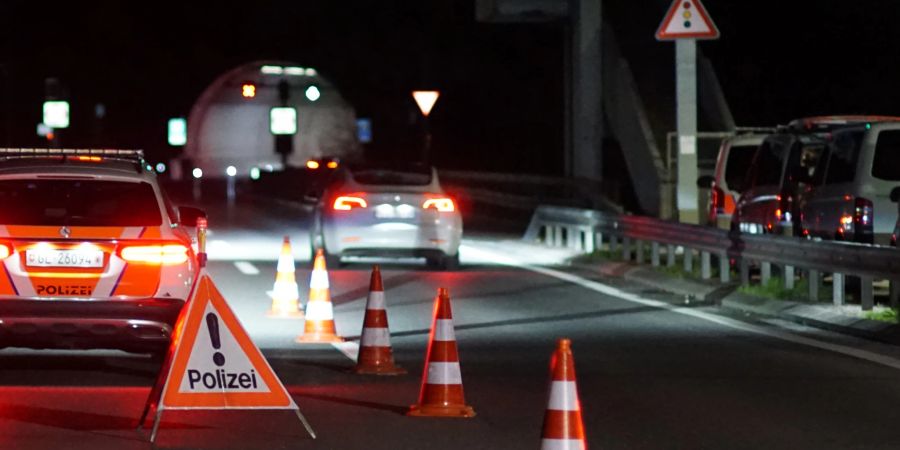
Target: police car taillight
{"x":159,"y":254}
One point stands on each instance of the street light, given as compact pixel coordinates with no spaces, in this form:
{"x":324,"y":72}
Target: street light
{"x":426,"y":100}
{"x":313,"y":93}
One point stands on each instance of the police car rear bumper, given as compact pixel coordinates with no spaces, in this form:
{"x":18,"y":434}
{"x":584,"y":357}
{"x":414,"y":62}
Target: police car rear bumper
{"x":131,"y":325}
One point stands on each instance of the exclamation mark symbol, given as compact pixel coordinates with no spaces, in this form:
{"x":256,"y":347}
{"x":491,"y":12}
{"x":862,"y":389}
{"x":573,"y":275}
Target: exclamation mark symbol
{"x":212,"y":322}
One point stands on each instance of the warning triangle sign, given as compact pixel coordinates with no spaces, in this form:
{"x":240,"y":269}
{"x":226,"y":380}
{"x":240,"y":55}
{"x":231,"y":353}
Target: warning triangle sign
{"x":687,"y":19}
{"x":216,"y":365}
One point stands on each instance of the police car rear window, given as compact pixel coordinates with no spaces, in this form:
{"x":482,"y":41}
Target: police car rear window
{"x":78,"y":203}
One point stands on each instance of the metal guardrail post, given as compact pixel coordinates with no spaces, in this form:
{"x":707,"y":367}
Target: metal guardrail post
{"x":598,"y":240}
{"x":613,"y":243}
{"x":654,"y":254}
{"x":745,"y":272}
{"x":639,"y":256}
{"x":670,"y":255}
{"x":866,"y":297}
{"x":765,"y":273}
{"x":573,"y":238}
{"x":724,"y":268}
{"x":557,"y":235}
{"x":705,"y":269}
{"x":626,"y":248}
{"x":895,"y":293}
{"x":788,"y":277}
{"x":837,"y":289}
{"x":688,"y":260}
{"x":589,"y":242}
{"x":815,"y":279}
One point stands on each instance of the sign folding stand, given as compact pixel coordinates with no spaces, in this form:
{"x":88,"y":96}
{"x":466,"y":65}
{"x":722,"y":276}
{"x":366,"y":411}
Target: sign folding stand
{"x":212,"y":363}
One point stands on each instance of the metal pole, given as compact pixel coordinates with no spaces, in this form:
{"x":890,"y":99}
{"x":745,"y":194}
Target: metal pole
{"x":686,"y":96}
{"x":426,"y":151}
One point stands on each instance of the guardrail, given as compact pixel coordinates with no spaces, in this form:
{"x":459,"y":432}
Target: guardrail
{"x":587,"y":230}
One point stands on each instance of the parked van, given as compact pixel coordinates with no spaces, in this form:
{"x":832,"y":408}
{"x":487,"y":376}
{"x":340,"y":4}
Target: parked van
{"x":726,"y":184}
{"x":781,"y":172}
{"x":860,"y":167}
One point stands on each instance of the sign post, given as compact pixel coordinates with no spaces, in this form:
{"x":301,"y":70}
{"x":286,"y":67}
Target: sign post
{"x":685,"y":22}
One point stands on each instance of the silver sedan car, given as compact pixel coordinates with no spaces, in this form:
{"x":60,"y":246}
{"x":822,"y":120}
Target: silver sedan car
{"x":390,"y":211}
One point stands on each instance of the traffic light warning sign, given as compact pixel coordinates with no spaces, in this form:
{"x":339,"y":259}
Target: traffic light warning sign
{"x":687,"y":19}
{"x":216,"y":365}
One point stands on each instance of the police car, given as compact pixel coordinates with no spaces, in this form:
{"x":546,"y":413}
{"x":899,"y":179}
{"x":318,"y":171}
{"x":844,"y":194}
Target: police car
{"x":92,"y":253}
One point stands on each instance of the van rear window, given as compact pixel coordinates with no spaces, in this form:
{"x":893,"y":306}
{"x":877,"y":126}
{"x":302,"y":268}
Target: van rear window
{"x":886,"y":163}
{"x":739,"y":158}
{"x":843,"y":153}
{"x":78,"y":203}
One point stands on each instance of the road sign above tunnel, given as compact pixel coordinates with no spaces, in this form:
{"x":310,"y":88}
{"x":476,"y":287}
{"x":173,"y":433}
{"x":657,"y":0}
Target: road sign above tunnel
{"x":687,"y":19}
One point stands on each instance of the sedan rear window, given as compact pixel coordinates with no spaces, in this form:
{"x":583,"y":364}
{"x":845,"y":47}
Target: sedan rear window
{"x":78,"y":203}
{"x":886,"y":164}
{"x":392,"y":176}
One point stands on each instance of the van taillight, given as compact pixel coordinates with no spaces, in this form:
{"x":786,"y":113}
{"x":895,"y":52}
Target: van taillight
{"x":862,"y":212}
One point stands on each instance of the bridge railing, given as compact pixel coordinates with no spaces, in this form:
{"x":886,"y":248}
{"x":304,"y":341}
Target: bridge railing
{"x":588,"y":230}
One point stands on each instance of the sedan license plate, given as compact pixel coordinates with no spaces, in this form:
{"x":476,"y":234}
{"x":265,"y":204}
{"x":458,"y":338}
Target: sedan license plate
{"x":64,"y":258}
{"x":386,"y":211}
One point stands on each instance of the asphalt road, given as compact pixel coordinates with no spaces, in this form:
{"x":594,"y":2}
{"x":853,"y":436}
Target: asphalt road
{"x":653,"y":373}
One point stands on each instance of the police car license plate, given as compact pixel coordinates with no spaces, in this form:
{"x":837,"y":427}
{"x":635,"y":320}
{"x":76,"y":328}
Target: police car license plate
{"x":64,"y":258}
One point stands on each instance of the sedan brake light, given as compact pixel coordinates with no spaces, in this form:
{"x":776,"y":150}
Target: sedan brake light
{"x":348,"y":202}
{"x":158,"y":254}
{"x":442,"y":204}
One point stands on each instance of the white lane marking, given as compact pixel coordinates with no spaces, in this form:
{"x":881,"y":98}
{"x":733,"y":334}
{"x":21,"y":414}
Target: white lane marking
{"x":350,"y":349}
{"x":246,"y":268}
{"x":721,"y":320}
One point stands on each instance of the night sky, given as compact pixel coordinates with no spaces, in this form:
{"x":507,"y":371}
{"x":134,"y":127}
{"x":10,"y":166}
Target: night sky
{"x":501,"y":106}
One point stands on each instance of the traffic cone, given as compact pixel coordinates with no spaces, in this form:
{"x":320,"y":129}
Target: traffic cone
{"x":319,"y":325}
{"x":285,"y":294}
{"x":375,"y":354}
{"x":442,"y":389}
{"x":563,"y":428}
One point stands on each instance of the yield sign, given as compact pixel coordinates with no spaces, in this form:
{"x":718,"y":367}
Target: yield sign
{"x":425,"y":100}
{"x":687,"y":19}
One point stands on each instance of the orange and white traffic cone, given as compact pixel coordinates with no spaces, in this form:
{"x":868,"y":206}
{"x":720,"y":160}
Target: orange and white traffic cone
{"x":285,"y":294}
{"x":375,"y":354}
{"x":319,"y":326}
{"x":563,"y":428}
{"x":442,"y":389}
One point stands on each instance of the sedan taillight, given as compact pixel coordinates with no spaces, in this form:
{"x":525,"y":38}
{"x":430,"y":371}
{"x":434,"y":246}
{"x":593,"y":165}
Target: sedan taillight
{"x":442,"y":204}
{"x":348,"y":202}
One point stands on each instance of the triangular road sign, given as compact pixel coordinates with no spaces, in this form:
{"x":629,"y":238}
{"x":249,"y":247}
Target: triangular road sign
{"x":687,"y":19}
{"x":215,"y":364}
{"x":425,"y":100}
